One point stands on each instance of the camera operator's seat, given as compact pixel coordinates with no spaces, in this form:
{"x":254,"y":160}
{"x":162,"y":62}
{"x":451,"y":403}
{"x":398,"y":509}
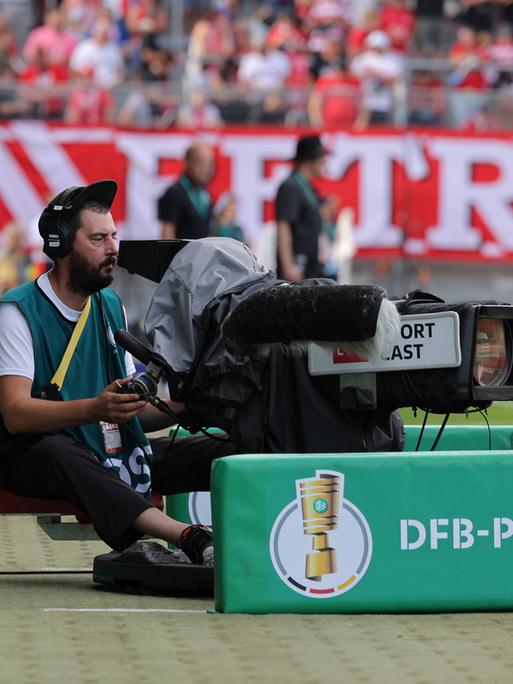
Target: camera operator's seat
{"x":49,"y":514}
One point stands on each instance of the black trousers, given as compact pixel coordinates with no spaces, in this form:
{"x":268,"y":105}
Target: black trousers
{"x":55,"y":467}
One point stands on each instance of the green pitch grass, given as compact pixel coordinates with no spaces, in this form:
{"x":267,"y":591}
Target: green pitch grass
{"x":499,"y":413}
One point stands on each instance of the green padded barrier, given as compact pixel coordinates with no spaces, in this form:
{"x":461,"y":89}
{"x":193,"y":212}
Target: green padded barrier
{"x":460,"y":437}
{"x":363,"y":532}
{"x":195,"y":507}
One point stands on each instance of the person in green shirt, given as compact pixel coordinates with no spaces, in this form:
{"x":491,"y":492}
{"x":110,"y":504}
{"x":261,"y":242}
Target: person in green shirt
{"x":85,"y":441}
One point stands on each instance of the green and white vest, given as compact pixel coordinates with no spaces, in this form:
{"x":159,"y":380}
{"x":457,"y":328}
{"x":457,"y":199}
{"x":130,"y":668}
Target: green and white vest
{"x":96,"y":362}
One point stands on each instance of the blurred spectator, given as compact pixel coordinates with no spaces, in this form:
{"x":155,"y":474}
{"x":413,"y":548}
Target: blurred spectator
{"x":11,"y":104}
{"x":211,"y":41}
{"x":224,"y":222}
{"x":225,"y":93}
{"x":331,"y":50}
{"x":272,"y":109}
{"x":263,"y":68}
{"x":79,"y":16}
{"x":148,"y":98}
{"x":198,"y":112}
{"x":327,"y":13}
{"x":501,"y":55}
{"x":478,"y":15}
{"x":334,"y":99}
{"x":21,"y":16}
{"x":431,"y":33}
{"x":144,"y":18}
{"x":427,"y":99}
{"x":14,"y":260}
{"x":359,"y":32}
{"x":8,"y":43}
{"x":398,"y":22}
{"x":468,"y":77}
{"x":57,"y":43}
{"x":42,"y":87}
{"x":100,"y":54}
{"x":484,"y":119}
{"x":89,"y":104}
{"x":379,"y":70}
{"x":285,"y":34}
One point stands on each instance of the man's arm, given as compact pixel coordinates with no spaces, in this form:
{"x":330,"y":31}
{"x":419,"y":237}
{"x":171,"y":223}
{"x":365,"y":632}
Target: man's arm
{"x":288,"y":264}
{"x":168,"y":231}
{"x":23,"y":413}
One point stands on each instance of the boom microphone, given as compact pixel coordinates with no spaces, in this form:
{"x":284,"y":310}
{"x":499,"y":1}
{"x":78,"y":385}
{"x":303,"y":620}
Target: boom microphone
{"x":356,"y":314}
{"x":132,"y":345}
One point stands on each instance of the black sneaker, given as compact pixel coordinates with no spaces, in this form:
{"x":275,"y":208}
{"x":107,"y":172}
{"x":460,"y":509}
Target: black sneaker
{"x":196,"y":542}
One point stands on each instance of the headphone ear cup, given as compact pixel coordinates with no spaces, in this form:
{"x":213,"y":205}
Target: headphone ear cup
{"x":57,"y":238}
{"x":54,"y":229}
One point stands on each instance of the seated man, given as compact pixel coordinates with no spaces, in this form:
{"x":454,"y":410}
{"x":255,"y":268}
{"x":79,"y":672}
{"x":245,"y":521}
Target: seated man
{"x":76,"y":436}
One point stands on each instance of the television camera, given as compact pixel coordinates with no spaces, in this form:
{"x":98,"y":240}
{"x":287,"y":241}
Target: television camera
{"x":436,"y":356}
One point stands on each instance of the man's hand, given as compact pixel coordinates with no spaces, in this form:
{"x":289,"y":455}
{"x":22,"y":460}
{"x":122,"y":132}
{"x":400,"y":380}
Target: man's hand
{"x":113,"y":406}
{"x":292,"y":272}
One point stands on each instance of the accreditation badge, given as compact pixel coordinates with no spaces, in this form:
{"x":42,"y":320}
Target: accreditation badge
{"x":111,"y":437}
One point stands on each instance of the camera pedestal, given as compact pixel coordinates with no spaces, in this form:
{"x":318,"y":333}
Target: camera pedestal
{"x":149,"y":568}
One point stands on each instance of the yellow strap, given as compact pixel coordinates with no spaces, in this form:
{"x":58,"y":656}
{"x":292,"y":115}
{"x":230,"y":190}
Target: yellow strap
{"x":60,"y":373}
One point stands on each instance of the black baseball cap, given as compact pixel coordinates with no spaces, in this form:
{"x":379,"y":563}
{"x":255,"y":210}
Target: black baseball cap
{"x":73,"y":199}
{"x":309,"y":148}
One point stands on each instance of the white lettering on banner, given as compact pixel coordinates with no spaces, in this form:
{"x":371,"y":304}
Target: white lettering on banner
{"x":144,"y":185}
{"x":249,"y":185}
{"x":460,"y":533}
{"x":375,"y":155}
{"x":458,"y":193}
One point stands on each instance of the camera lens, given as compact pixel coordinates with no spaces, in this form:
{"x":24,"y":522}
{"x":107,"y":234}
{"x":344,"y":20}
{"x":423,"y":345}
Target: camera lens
{"x":492,"y":358}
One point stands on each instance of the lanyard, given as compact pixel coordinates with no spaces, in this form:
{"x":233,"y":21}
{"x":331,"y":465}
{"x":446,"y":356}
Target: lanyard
{"x":60,"y":373}
{"x":199,"y":197}
{"x":309,"y":191}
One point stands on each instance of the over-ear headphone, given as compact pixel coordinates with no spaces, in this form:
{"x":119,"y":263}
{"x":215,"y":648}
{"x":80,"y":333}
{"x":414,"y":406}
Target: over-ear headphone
{"x":54,"y":225}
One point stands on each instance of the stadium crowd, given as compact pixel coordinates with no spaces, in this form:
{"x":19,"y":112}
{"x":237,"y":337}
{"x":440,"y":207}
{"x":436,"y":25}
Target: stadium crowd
{"x":329,"y":63}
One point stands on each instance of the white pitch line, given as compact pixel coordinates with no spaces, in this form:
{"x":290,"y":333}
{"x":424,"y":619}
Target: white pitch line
{"x":121,"y":610}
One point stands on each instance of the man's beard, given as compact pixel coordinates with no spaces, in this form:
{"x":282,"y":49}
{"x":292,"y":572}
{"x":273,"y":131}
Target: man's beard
{"x":85,"y":279}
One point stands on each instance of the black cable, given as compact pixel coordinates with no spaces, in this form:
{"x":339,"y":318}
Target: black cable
{"x":215,"y":437}
{"x":440,"y":431}
{"x":483,"y":413}
{"x":421,"y":433}
{"x":162,"y":406}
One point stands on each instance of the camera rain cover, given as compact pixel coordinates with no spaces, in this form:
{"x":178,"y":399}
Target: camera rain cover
{"x":264,"y":398}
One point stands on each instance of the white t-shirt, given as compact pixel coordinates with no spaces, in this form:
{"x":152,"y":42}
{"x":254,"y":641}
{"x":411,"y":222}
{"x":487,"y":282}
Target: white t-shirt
{"x":264,"y":71}
{"x":106,"y":61}
{"x":377,"y":92}
{"x":16,"y":346}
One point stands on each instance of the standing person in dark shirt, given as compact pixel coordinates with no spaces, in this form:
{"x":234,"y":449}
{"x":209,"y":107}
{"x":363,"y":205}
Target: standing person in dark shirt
{"x":298,"y":217}
{"x":185,"y":209}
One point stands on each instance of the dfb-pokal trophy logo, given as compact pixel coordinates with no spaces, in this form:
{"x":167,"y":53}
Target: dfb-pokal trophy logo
{"x":321,"y":544}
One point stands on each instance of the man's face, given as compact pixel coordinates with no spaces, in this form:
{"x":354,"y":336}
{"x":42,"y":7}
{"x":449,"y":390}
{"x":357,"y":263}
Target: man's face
{"x":200,"y":165}
{"x":94,"y":254}
{"x":318,"y":166}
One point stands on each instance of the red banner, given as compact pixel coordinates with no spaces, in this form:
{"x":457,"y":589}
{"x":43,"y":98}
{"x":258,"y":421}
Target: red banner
{"x":421,"y":193}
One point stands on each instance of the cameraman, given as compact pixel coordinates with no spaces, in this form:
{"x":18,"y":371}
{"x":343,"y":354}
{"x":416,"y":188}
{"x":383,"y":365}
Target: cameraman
{"x":85,"y":443}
